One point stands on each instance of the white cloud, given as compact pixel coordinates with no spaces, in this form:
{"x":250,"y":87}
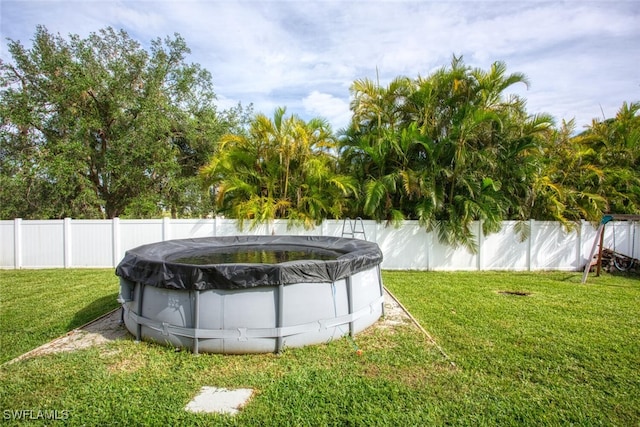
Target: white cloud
{"x":334,"y":109}
{"x":304,"y":55}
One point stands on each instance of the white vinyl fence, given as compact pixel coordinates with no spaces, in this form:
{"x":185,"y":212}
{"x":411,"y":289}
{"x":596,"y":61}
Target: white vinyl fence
{"x":102,"y":243}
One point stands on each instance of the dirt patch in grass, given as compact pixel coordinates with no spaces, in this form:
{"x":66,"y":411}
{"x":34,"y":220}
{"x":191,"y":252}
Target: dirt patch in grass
{"x":394,"y":314}
{"x":126,"y":365}
{"x":104,"y":329}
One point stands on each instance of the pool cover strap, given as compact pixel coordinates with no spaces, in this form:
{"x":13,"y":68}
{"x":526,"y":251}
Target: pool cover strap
{"x":153,"y":264}
{"x":243,"y":334}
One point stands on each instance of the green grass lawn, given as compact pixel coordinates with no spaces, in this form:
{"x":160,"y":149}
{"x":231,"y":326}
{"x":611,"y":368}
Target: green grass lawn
{"x":39,"y":305}
{"x":566,"y":353}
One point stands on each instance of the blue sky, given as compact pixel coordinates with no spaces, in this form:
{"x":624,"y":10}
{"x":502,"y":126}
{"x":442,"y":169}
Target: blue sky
{"x":581,"y":57}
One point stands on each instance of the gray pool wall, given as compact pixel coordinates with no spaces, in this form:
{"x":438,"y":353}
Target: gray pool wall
{"x":253,"y":320}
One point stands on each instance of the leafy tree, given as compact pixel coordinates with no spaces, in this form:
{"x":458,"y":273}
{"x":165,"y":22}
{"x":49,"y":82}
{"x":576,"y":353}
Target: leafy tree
{"x":282,"y":167}
{"x":375,"y":149}
{"x":592,"y":173}
{"x":484,"y":142}
{"x":561,"y":189}
{"x":443,"y":148}
{"x":614,"y":148}
{"x":99,"y":127}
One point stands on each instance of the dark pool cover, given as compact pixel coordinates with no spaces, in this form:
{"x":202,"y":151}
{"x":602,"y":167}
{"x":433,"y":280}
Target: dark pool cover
{"x":152,"y":264}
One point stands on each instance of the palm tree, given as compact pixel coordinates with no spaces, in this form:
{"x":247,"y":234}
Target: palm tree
{"x":615,"y":148}
{"x":469,"y":123}
{"x":563,"y":190}
{"x":280,"y":168}
{"x":593,"y":173}
{"x":443,"y":149}
{"x":375,"y":149}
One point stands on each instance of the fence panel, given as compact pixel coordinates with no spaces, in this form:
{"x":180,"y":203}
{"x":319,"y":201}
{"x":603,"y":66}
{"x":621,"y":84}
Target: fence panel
{"x":407,"y":247}
{"x":552,"y":248}
{"x":92,"y":243}
{"x":137,"y":232}
{"x":447,"y":258}
{"x":43,"y":243}
{"x":505,"y":250}
{"x":192,"y":229}
{"x":8,"y":244}
{"x":332,"y":227}
{"x":102,"y":243}
{"x":228,"y":227}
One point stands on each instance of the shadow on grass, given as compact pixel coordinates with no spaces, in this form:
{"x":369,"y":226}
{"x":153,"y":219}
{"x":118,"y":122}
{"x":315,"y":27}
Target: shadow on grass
{"x":626,"y":274}
{"x":572,"y":277}
{"x":94,"y":310}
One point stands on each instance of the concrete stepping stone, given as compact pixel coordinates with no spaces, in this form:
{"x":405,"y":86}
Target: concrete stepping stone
{"x":219,"y":400}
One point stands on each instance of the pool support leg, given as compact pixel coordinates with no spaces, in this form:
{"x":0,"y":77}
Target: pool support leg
{"x":350,"y":304}
{"x":381,"y":287}
{"x":139,"y":325}
{"x":280,"y":317}
{"x":196,"y":320}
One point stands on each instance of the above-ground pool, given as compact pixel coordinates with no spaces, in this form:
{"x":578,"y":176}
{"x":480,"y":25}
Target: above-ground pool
{"x":250,"y":294}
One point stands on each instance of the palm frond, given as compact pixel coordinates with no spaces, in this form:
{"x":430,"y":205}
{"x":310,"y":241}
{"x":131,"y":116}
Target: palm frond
{"x":374,"y":192}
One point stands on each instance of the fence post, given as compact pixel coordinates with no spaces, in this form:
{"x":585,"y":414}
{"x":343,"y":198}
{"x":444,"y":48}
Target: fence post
{"x":66,"y":241}
{"x":579,"y":239}
{"x":429,"y":248}
{"x":530,"y":244}
{"x":480,"y":243}
{"x":115,"y":241}
{"x":17,"y":243}
{"x":375,"y":230}
{"x":166,"y":231}
{"x":635,"y":235}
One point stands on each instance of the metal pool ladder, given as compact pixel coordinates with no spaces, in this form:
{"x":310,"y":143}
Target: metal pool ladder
{"x":351,"y":228}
